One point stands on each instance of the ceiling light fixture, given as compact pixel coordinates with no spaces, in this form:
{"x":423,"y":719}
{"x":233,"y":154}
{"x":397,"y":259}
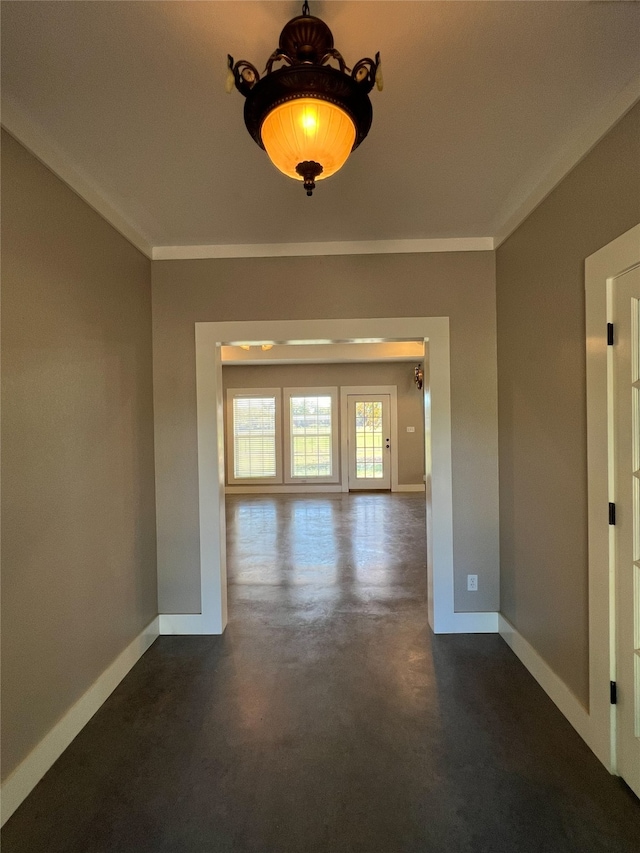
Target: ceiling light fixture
{"x":307,"y":115}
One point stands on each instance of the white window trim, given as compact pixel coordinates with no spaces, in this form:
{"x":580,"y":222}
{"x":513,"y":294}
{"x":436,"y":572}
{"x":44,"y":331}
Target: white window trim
{"x":244,"y":393}
{"x":328,"y":391}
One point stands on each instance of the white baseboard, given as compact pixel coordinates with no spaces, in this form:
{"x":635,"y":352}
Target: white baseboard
{"x":29,"y":772}
{"x":188,"y":623}
{"x":308,"y":489}
{"x":553,"y":685}
{"x":283,"y":490}
{"x":466,"y":623}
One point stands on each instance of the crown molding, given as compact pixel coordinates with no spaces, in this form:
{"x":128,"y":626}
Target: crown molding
{"x":36,"y":141}
{"x":511,"y":217}
{"x":581,"y":143}
{"x":341,"y":247}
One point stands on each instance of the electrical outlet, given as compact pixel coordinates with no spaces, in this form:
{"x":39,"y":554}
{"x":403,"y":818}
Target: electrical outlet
{"x":472,"y":583}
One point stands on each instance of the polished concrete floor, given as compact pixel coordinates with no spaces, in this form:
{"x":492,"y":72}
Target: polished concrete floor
{"x":327,"y":719}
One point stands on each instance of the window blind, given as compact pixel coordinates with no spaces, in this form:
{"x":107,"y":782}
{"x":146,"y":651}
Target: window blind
{"x":254,"y":437}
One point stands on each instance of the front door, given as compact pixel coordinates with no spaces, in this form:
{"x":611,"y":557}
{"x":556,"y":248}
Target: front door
{"x":626,"y":289}
{"x":369,"y":441}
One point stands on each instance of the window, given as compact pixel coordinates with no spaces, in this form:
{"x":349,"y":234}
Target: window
{"x":312,"y":435}
{"x":254,"y":435}
{"x":310,"y":419}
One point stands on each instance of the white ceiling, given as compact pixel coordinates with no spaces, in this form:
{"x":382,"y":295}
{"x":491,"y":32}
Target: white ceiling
{"x":485,"y":106}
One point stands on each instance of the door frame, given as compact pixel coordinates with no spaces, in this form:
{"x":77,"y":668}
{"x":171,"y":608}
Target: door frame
{"x":601,"y":268}
{"x":434,"y":331}
{"x":345,"y":392}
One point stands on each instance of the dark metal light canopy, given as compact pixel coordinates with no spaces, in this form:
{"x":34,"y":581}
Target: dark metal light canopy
{"x":307,"y":114}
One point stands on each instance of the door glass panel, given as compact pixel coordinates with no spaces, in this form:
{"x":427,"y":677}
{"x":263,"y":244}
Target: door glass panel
{"x":369,"y":461}
{"x":626,"y":481}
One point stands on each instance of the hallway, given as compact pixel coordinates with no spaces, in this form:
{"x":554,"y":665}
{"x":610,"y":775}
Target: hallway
{"x":328,"y":718}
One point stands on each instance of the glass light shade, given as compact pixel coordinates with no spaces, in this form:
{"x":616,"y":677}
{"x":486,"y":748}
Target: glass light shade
{"x":308,"y":129}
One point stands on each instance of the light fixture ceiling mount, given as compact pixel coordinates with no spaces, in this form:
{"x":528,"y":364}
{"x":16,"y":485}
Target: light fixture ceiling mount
{"x":306,"y":113}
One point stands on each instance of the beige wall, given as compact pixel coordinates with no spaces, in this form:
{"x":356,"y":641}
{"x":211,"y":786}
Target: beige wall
{"x":541,"y":368}
{"x":458,"y":285}
{"x":78,"y":513}
{"x":410,"y":404}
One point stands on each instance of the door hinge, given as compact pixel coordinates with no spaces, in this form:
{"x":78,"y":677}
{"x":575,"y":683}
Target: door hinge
{"x":612,"y":513}
{"x":613,"y":692}
{"x":609,"y":334}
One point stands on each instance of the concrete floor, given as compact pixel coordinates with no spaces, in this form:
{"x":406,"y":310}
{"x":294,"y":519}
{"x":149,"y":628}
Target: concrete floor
{"x":327,"y":718}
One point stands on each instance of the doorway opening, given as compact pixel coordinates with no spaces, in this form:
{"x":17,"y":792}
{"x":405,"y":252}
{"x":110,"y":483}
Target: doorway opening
{"x":434,"y":331}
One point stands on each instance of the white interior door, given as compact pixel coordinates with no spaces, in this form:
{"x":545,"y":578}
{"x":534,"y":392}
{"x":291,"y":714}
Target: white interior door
{"x":369,"y":441}
{"x":626,"y":289}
